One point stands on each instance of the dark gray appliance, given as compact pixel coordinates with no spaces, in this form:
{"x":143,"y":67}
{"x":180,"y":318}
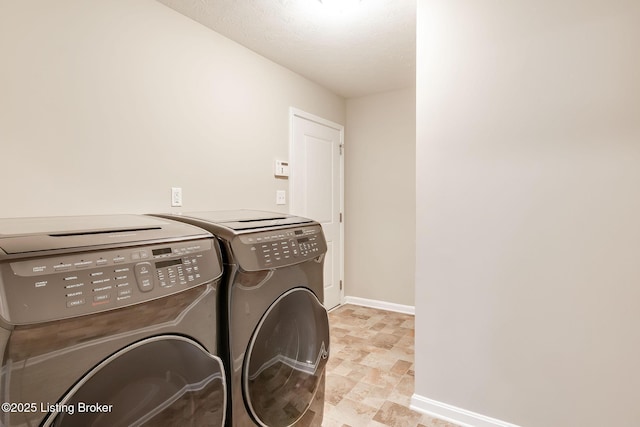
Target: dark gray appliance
{"x":109,"y":321}
{"x":278,"y":329}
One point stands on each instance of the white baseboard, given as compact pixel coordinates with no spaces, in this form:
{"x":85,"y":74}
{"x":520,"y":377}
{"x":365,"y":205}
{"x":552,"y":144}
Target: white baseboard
{"x":454,"y":414}
{"x":382,"y":305}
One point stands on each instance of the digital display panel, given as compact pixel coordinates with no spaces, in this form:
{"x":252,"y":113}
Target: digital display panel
{"x":303,"y":240}
{"x":162,"y":251}
{"x":162,"y":264}
{"x":298,"y":231}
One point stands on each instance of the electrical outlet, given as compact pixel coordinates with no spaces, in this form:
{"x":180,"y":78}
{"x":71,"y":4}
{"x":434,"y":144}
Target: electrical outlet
{"x":176,"y":196}
{"x":281,"y":197}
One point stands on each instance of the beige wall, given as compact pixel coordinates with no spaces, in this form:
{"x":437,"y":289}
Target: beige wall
{"x":528,"y":207}
{"x":380,"y":197}
{"x":105,"y":105}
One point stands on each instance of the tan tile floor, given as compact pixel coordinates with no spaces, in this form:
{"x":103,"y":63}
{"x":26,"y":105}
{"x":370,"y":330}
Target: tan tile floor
{"x":370,"y":370}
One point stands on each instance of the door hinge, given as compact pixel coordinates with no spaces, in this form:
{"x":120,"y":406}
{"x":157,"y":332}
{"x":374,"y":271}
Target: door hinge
{"x":341,"y":148}
{"x":340,"y":217}
{"x":340,"y":284}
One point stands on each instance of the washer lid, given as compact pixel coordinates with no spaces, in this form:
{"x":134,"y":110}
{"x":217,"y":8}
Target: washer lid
{"x":247,"y":219}
{"x":24,"y":235}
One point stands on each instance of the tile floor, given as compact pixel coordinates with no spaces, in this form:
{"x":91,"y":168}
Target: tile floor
{"x":370,"y":371}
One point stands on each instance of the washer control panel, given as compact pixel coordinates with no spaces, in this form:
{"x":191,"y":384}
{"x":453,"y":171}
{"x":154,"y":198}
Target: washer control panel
{"x":57,"y":287}
{"x":279,"y":248}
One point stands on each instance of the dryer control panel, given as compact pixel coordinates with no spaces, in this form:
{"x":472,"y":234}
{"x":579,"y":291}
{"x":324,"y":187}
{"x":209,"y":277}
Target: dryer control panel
{"x":57,"y":287}
{"x":278,"y":248}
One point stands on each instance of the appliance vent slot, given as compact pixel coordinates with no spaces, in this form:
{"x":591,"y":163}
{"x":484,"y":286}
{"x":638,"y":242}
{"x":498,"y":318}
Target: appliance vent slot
{"x":263,"y":219}
{"x":87,"y":233}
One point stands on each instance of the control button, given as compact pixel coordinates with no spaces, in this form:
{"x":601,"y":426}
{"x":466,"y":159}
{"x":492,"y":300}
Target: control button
{"x":41,"y":284}
{"x":74,"y":294}
{"x":144,"y":254}
{"x":103,"y":298}
{"x":61,"y":267}
{"x":143,"y":276}
{"x":70,"y":278}
{"x":135,"y":256}
{"x":75,"y":302}
{"x":143,"y":268}
{"x":121,"y":270}
{"x":104,"y":288}
{"x":83,"y":264}
{"x":145,"y":284}
{"x":124,"y":292}
{"x":118,"y":259}
{"x":101,"y":261}
{"x":294,"y":247}
{"x":96,"y":273}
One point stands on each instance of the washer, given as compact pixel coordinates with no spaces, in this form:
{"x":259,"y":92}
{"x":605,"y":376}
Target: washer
{"x":109,"y":321}
{"x":278,"y":330}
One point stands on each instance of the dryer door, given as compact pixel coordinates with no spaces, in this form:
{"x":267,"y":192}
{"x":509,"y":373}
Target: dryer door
{"x":286,"y":359}
{"x":161,"y":381}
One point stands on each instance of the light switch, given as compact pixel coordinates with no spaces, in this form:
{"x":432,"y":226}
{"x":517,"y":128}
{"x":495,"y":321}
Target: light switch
{"x":176,"y":196}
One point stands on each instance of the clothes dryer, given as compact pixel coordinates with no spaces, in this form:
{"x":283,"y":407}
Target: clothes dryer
{"x":109,"y":321}
{"x":277,"y":341}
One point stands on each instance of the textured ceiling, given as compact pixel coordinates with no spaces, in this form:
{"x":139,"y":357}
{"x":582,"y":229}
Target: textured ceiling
{"x":355,"y":50}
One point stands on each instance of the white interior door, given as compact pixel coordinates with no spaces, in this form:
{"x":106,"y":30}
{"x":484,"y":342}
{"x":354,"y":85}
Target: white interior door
{"x":316,"y":189}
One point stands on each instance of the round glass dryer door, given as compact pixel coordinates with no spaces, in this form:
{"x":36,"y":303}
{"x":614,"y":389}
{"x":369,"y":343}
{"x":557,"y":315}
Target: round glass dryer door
{"x":161,"y":381}
{"x":286,"y":358}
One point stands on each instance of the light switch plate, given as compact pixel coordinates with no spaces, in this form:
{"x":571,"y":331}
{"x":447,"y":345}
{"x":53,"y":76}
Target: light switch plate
{"x":281,"y":197}
{"x":281,"y":168}
{"x":176,"y":196}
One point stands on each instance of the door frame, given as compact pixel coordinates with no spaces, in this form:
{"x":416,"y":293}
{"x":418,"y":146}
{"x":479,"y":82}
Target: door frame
{"x":295,"y":112}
